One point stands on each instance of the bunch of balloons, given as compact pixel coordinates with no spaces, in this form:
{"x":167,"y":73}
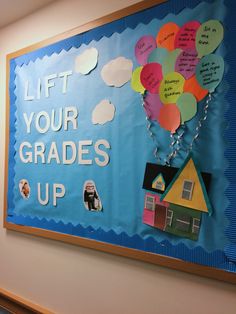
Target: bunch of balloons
{"x":177,"y":70}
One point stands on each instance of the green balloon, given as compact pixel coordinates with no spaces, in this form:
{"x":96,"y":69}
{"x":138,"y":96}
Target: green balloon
{"x":208,"y":37}
{"x":187,"y":105}
{"x":169,"y":61}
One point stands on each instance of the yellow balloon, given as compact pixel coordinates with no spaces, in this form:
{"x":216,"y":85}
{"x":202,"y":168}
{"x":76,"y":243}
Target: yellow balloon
{"x":172,"y":86}
{"x":135,"y":81}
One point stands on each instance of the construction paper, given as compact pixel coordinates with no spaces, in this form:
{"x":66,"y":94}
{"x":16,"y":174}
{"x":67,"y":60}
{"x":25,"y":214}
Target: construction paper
{"x":173,"y":193}
{"x":152,"y":106}
{"x":208,"y":37}
{"x":169,"y":117}
{"x":187,"y":105}
{"x":186,"y":63}
{"x":149,"y":217}
{"x":210,"y":71}
{"x":103,"y":112}
{"x":170,"y":60}
{"x":166,"y":36}
{"x":159,"y":183}
{"x":92,"y":201}
{"x":193,"y":87}
{"x":86,"y":61}
{"x":117,"y":72}
{"x":158,"y":55}
{"x":143,"y":48}
{"x":171,"y":87}
{"x":136,"y":82}
{"x":185,"y":38}
{"x":151,"y":76}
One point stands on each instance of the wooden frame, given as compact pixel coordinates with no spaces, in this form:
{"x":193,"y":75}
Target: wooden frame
{"x":161,"y":260}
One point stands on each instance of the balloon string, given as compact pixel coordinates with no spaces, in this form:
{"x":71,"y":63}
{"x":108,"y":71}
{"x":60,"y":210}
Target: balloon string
{"x":201,"y":120}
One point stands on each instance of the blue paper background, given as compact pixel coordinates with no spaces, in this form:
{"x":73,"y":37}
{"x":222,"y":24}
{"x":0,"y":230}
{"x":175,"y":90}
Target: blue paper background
{"x":119,"y":183}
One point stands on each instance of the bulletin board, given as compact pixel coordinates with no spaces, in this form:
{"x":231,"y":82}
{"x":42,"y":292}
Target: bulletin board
{"x":120,"y":136}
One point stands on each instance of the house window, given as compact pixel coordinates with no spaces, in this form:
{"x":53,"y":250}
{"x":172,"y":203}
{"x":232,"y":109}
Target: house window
{"x":183,"y":223}
{"x":150,"y":202}
{"x":187,"y":190}
{"x":196,"y":225}
{"x":169,"y":217}
{"x":159,"y":186}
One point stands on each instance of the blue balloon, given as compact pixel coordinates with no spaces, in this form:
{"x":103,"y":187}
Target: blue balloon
{"x":210,"y":71}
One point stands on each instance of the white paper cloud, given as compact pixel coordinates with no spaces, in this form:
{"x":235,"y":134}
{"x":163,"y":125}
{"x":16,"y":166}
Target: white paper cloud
{"x":86,"y":61}
{"x":103,"y":112}
{"x":117,"y":72}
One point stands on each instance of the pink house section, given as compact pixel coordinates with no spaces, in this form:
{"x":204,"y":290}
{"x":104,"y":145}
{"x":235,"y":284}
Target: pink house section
{"x":156,"y":216}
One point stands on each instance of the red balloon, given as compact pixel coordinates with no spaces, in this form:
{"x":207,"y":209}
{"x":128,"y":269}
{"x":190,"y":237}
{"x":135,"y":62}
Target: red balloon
{"x":151,"y":77}
{"x":169,"y":117}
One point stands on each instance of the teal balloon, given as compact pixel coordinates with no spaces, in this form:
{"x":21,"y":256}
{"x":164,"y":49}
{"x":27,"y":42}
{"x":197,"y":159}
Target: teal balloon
{"x":168,"y":65}
{"x":158,"y":55}
{"x":210,"y":71}
{"x":187,"y":105}
{"x":208,"y":37}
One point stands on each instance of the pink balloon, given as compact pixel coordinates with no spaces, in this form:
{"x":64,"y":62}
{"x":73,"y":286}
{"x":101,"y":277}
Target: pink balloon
{"x":152,"y":106}
{"x":151,"y":76}
{"x":186,"y":36}
{"x":169,"y":117}
{"x":186,"y":63}
{"x":143,"y":48}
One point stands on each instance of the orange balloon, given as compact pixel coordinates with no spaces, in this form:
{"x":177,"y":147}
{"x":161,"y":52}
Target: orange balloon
{"x":166,"y":36}
{"x":169,"y":117}
{"x":192,"y":86}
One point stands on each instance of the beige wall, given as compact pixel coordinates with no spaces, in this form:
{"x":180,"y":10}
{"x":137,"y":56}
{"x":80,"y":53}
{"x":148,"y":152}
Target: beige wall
{"x":69,"y":279}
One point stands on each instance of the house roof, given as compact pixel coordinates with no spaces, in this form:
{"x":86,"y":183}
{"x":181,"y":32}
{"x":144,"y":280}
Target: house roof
{"x":200,"y":199}
{"x":168,"y":173}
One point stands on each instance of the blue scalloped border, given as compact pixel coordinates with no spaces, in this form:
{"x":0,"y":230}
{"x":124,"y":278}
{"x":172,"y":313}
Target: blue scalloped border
{"x":219,"y":259}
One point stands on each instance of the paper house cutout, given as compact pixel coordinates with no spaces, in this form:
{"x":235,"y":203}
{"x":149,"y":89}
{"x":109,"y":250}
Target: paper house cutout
{"x":159,"y":183}
{"x":174,"y":193}
{"x":168,"y":211}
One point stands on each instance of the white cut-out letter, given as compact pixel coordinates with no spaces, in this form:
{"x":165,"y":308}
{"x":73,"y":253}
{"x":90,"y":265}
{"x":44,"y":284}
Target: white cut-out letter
{"x":28,"y":121}
{"x":49,"y":84}
{"x":27,"y":97}
{"x":83,"y":151}
{"x":59,"y":125}
{"x":28,"y":155}
{"x":102,"y":153}
{"x":58,"y":194}
{"x":53,"y":153}
{"x":39,"y":149}
{"x":70,"y":118}
{"x":65,"y":75}
{"x":66,"y":160}
{"x":37,"y":122}
{"x":46,"y":200}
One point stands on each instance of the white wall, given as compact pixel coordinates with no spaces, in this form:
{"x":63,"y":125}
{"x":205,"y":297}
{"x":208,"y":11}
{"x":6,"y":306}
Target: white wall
{"x":69,"y":279}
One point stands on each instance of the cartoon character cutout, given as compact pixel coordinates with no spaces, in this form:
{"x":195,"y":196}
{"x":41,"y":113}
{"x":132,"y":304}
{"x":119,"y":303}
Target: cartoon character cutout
{"x":24,"y":188}
{"x":92,"y":200}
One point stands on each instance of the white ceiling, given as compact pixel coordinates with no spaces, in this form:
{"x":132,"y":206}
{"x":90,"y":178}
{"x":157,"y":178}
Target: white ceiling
{"x":13,"y":10}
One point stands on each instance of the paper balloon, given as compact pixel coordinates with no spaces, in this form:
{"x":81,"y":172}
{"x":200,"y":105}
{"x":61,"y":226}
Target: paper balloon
{"x":143,"y":48}
{"x":170,"y":60}
{"x":166,"y":36}
{"x":151,"y":76}
{"x":186,"y":63}
{"x":187,"y":105}
{"x":210,"y":71}
{"x":185,"y":38}
{"x":158,"y":55}
{"x":192,"y":86}
{"x":171,"y":87}
{"x":169,"y":117}
{"x":135,"y":81}
{"x":208,"y":37}
{"x":152,"y":106}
